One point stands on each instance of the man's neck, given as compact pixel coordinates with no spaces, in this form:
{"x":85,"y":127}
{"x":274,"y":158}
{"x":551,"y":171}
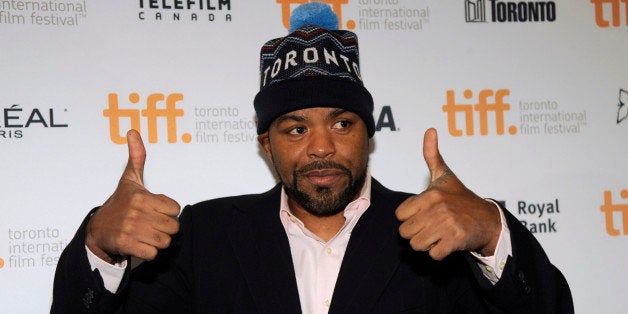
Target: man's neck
{"x":323,"y":227}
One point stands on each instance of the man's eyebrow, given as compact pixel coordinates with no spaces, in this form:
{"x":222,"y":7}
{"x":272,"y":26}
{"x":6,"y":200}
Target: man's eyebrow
{"x":302,"y":118}
{"x":336,"y":113}
{"x":291,"y":116}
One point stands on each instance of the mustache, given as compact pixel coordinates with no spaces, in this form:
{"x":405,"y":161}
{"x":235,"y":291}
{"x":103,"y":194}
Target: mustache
{"x":322,"y":164}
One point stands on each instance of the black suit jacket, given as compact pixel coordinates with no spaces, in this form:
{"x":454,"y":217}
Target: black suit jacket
{"x":232,"y":256}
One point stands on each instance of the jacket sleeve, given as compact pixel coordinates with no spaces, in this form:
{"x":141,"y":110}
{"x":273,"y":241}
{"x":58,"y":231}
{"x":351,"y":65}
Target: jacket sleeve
{"x":78,"y":289}
{"x":529,"y":282}
{"x":158,"y":286}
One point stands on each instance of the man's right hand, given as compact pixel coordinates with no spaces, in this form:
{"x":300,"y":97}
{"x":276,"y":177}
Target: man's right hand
{"x":132,"y":221}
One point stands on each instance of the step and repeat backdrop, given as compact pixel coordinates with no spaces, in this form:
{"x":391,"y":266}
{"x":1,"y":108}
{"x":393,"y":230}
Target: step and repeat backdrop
{"x":530,"y":99}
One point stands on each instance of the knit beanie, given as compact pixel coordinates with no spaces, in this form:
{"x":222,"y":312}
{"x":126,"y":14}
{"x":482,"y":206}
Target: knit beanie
{"x":316,"y":65}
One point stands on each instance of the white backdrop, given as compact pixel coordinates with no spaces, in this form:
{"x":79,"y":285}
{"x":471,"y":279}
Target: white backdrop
{"x":555,"y":74}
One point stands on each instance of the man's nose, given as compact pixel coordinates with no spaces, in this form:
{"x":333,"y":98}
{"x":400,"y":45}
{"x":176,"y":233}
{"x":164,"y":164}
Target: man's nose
{"x":321,"y":144}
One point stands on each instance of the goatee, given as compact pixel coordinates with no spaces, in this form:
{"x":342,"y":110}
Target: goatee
{"x":324,"y":202}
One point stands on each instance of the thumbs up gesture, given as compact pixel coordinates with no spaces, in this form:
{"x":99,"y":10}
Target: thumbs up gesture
{"x":132,"y":221}
{"x":447,"y":216}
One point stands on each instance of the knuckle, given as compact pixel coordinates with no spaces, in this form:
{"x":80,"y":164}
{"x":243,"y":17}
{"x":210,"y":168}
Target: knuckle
{"x":448,"y":220}
{"x":164,"y":221}
{"x":436,"y":254}
{"x":175,"y":226}
{"x":459,"y":236}
{"x":137,"y":199}
{"x":440,"y":250}
{"x":415,"y":243}
{"x":157,"y":238}
{"x":122,"y":244}
{"x":127,"y":226}
{"x":161,"y":240}
{"x":130,"y":216}
{"x":398,"y":214}
{"x":148,"y":253}
{"x":438,"y":196}
{"x":120,"y":239}
{"x":163,"y":198}
{"x":405,"y":230}
{"x":174,"y":205}
{"x":170,"y":225}
{"x":170,"y":204}
{"x":166,"y":242}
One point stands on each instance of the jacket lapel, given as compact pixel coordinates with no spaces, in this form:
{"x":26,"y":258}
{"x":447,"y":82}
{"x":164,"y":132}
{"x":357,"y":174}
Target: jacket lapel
{"x":371,"y":257}
{"x":262,"y":247}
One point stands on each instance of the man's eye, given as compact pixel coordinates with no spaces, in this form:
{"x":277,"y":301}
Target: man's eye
{"x":298,"y":130}
{"x":342,"y":124}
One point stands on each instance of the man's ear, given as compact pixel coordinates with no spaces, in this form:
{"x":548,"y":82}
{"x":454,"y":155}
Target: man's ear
{"x":264,"y":140}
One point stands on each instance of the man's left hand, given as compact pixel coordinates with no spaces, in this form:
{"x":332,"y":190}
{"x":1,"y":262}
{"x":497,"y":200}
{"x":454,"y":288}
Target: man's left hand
{"x":447,"y":216}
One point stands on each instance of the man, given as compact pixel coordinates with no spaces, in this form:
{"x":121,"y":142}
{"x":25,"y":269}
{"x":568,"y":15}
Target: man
{"x":327,"y":238}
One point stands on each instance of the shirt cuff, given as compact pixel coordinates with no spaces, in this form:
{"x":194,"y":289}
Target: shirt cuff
{"x":493,"y":266}
{"x":111,"y":274}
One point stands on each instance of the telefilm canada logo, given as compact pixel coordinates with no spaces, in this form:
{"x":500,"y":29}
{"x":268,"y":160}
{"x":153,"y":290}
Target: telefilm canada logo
{"x":387,"y":15}
{"x":18,"y":120}
{"x":496,"y":11}
{"x":185,"y":10}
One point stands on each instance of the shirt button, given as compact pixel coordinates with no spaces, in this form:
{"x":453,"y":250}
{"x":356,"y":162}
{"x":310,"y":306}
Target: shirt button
{"x":293,"y":219}
{"x":327,"y":303}
{"x":489,"y":268}
{"x":502,"y":265}
{"x":328,"y":251}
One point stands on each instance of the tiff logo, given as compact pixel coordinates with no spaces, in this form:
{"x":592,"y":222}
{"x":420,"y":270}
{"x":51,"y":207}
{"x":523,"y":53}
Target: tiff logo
{"x":488,"y":101}
{"x":608,"y":208}
{"x":286,"y":9}
{"x":615,"y":8}
{"x":474,"y":11}
{"x":151,"y":112}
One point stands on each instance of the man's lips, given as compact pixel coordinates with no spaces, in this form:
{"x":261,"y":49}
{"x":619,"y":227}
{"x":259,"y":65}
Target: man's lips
{"x":324,"y":177}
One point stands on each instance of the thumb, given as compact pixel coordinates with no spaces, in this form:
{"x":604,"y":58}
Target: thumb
{"x":434,"y":160}
{"x":134,"y":170}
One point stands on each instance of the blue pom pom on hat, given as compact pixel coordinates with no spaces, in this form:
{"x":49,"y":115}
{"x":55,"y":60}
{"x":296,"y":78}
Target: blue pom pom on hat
{"x":315,"y":65}
{"x":313,"y":13}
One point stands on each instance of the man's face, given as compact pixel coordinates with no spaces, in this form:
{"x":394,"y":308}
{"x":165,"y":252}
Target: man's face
{"x":320,"y":155}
